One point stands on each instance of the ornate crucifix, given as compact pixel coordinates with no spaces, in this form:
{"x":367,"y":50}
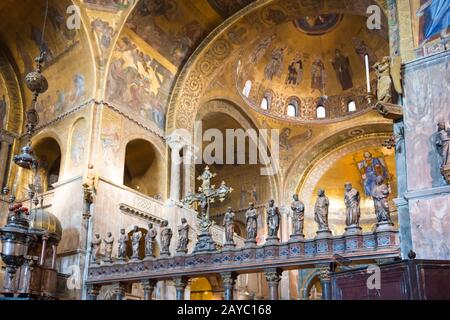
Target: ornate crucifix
{"x":207,"y":195}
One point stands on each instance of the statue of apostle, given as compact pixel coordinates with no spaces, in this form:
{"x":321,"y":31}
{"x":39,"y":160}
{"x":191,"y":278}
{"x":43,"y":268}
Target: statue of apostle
{"x":150,"y":240}
{"x":443,"y":143}
{"x":228,"y":224}
{"x":298,"y":215}
{"x":321,"y":210}
{"x":166,"y":237}
{"x":352,"y":200}
{"x":273,"y":219}
{"x":380,"y":196}
{"x":109,"y":243}
{"x":135,"y":241}
{"x":95,"y":247}
{"x":183,"y":236}
{"x":251,"y":217}
{"x":123,"y":241}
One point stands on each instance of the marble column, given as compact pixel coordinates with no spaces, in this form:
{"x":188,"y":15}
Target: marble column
{"x":180,"y":286}
{"x":148,"y":286}
{"x":175,"y":144}
{"x":119,"y":291}
{"x":325,"y":281}
{"x":228,"y":280}
{"x":93,"y":291}
{"x":273,"y":278}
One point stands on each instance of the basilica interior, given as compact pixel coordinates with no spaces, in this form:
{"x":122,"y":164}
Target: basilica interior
{"x":102,"y":103}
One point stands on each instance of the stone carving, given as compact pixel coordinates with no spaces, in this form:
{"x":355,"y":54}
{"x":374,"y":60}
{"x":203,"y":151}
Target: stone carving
{"x":123,"y":241}
{"x":251,"y":217}
{"x":273,"y":220}
{"x":109,"y":243}
{"x":166,"y":237}
{"x":352,"y":200}
{"x":389,"y":77}
{"x":150,"y":241}
{"x":298,"y":217}
{"x":183,"y":236}
{"x":135,"y":241}
{"x":228,"y":224}
{"x":321,"y":214}
{"x":380,"y":196}
{"x":95,"y":247}
{"x":443,"y":146}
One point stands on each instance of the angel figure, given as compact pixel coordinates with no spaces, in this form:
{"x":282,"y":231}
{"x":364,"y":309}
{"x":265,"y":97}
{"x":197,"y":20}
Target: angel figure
{"x":389,"y":76}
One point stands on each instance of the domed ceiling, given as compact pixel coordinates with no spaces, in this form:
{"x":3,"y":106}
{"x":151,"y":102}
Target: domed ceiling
{"x":314,"y":60}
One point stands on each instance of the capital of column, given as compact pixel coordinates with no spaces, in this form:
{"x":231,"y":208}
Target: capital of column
{"x":119,"y":290}
{"x":180,"y":282}
{"x":324,"y":272}
{"x":228,"y":278}
{"x":177,"y":142}
{"x":94,"y":291}
{"x":148,"y":285}
{"x":273,"y":275}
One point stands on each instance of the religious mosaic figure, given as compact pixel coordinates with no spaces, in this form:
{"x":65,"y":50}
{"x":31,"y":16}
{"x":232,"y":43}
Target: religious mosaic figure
{"x":321,"y":210}
{"x":298,"y":215}
{"x":251,"y":217}
{"x":123,"y":241}
{"x":318,"y":76}
{"x":183,"y":236}
{"x":165,"y":238}
{"x":352,"y":202}
{"x":228,"y":224}
{"x":436,"y":19}
{"x":275,"y":65}
{"x":295,"y":71}
{"x":370,"y":168}
{"x":109,"y":243}
{"x":341,"y":65}
{"x":380,"y":198}
{"x":443,"y":143}
{"x":135,"y":241}
{"x":150,"y":240}
{"x":95,"y":247}
{"x":273,"y":219}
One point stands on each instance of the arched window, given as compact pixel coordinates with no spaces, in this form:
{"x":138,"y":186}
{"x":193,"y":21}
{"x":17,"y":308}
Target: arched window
{"x":292,"y":110}
{"x":265,"y":104}
{"x":321,"y":112}
{"x":48,"y":153}
{"x":247,"y":88}
{"x":351,"y":106}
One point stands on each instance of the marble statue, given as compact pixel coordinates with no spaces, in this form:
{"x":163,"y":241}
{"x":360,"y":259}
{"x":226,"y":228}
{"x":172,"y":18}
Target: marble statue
{"x":228,"y":224}
{"x":321,"y":210}
{"x":165,"y":238}
{"x":183,"y":236}
{"x":135,"y":241}
{"x":150,"y":240}
{"x":251,"y":217}
{"x":389,"y":77}
{"x":298,"y":215}
{"x":123,"y":241}
{"x":95,"y":247}
{"x":443,"y":143}
{"x":380,"y":196}
{"x":273,"y":219}
{"x":109,"y":243}
{"x":352,"y":202}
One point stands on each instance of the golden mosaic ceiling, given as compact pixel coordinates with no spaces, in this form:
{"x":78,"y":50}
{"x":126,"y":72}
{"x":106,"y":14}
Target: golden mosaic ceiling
{"x":312,"y":60}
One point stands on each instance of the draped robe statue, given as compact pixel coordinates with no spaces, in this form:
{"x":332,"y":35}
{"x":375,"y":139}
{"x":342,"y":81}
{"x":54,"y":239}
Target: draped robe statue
{"x":150,"y":240}
{"x":109,"y":243}
{"x":298,"y":215}
{"x":443,"y":143}
{"x":380,"y":196}
{"x":95,"y":245}
{"x":123,"y":240}
{"x":273,"y":219}
{"x":166,"y":237}
{"x":252,"y":222}
{"x":183,"y":236}
{"x":352,"y":202}
{"x":135,"y":241}
{"x":321,"y":210}
{"x":228,"y":224}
